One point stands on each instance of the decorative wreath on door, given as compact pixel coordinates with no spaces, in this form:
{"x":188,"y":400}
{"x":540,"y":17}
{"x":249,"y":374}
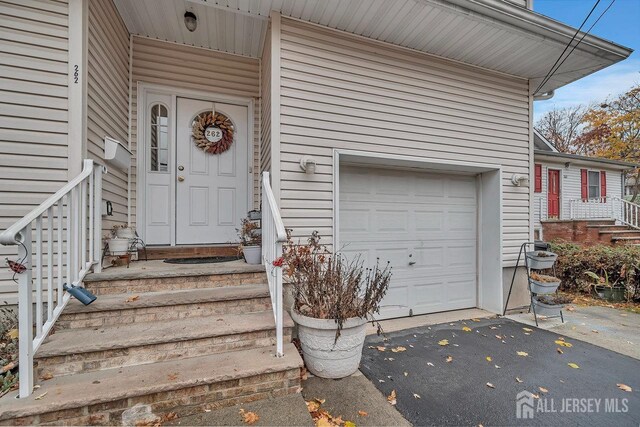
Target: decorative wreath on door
{"x":213,"y":132}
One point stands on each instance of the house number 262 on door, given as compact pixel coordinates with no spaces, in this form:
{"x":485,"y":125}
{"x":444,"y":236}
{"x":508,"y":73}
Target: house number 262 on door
{"x":213,"y":134}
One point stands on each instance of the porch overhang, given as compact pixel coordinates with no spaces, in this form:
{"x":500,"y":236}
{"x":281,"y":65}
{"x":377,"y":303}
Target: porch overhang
{"x":491,"y":34}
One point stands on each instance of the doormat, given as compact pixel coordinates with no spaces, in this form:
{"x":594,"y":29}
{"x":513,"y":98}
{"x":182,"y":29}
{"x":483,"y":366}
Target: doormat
{"x":201,"y":260}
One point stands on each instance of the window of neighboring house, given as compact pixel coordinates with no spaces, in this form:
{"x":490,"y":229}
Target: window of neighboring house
{"x":159,"y":139}
{"x":594,"y":184}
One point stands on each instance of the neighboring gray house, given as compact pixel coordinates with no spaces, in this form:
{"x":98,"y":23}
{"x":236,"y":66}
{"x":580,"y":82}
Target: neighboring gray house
{"x":568,"y":186}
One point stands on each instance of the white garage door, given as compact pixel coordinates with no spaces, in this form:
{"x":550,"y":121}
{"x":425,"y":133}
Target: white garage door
{"x":425,"y":224}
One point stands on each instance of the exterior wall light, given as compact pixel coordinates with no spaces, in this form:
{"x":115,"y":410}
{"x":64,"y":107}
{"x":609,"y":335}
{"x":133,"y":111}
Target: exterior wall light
{"x":519,"y":180}
{"x":190,"y":21}
{"x":308,"y":164}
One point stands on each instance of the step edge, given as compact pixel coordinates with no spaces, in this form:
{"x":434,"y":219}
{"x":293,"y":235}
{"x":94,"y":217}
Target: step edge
{"x":295,"y":362}
{"x":107,"y":276}
{"x":258,"y":292}
{"x":266,"y":325}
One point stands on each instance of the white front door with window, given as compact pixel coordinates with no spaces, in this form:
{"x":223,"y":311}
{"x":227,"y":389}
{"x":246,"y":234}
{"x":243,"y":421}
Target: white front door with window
{"x":211,"y":189}
{"x":188,"y":196}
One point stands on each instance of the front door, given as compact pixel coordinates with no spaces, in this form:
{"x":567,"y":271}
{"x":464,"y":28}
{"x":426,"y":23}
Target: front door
{"x":553,"y":194}
{"x":211,"y":189}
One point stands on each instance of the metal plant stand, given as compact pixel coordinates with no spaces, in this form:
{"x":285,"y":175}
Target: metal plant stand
{"x":537,"y":246}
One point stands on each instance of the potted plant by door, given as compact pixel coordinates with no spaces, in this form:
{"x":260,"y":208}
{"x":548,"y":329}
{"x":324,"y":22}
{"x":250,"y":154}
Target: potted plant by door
{"x":250,"y":241}
{"x":333,"y":300}
{"x":124,"y":232}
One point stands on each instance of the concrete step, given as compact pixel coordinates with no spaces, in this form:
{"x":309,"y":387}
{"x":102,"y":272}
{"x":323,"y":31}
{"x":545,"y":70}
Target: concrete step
{"x":612,"y":227}
{"x":627,"y":232}
{"x":119,"y":309}
{"x":76,"y":351}
{"x":154,"y":276}
{"x":625,"y":240}
{"x":185,"y":386}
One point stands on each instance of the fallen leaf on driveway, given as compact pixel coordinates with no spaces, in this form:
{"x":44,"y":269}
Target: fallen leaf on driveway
{"x":380,"y":348}
{"x":535,"y":396}
{"x":571,"y":308}
{"x":563,"y":343}
{"x":489,"y":358}
{"x":595,"y":331}
{"x":46,"y":376}
{"x":490,"y":385}
{"x":430,"y":364}
{"x":443,"y":342}
{"x":497,"y":367}
{"x":399,"y":349}
{"x":527,"y":329}
{"x":416,"y":396}
{"x":362,"y":413}
{"x":173,"y":376}
{"x":624,"y":387}
{"x":542,"y":389}
{"x":132,"y":298}
{"x":518,"y":380}
{"x":42,"y":395}
{"x":449,"y":359}
{"x":573,"y":365}
{"x":406,"y":373}
{"x":349,"y":424}
{"x":312,"y":405}
{"x":522,"y":353}
{"x":392,"y":397}
{"x":12,"y":334}
{"x":475,"y":320}
{"x":466,"y":329}
{"x":559,"y":350}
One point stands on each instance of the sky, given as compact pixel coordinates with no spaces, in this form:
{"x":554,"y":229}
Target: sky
{"x":620,"y":24}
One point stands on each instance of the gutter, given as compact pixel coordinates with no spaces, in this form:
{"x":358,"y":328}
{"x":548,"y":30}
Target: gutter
{"x":557,"y":155}
{"x":539,"y":24}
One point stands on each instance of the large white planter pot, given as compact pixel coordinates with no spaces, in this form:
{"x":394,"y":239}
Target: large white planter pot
{"x":252,"y":254}
{"x":323,"y":356}
{"x":118,"y":246}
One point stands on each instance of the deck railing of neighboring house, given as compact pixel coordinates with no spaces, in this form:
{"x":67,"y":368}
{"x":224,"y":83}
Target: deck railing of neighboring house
{"x":606,"y":207}
{"x":58,"y":242}
{"x":273,"y":236}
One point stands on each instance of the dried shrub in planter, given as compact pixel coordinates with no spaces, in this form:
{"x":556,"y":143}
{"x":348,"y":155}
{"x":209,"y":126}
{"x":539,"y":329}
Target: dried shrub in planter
{"x":328,"y":286}
{"x":249,"y":233}
{"x":554,"y":299}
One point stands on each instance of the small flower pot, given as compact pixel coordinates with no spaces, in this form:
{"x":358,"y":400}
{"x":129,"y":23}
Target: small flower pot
{"x":611,"y":293}
{"x":539,"y":287}
{"x":252,"y":254}
{"x":118,"y":246}
{"x":323,"y":355}
{"x":541,"y":262}
{"x":544,"y":309}
{"x":125,"y":233}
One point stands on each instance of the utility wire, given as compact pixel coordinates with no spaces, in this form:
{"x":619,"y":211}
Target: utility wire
{"x":576,"y":45}
{"x":546,"y":78}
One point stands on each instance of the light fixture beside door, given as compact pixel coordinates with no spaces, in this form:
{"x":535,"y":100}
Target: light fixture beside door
{"x":190,"y":21}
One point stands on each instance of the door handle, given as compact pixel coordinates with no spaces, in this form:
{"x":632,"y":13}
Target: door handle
{"x":180,"y":178}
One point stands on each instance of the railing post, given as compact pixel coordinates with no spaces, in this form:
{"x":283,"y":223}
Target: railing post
{"x":25,"y":315}
{"x":97,"y":221}
{"x":279,"y":304}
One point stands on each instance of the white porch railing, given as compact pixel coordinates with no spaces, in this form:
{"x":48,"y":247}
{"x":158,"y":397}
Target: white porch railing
{"x":65,"y":246}
{"x":606,"y":207}
{"x":273,"y":236}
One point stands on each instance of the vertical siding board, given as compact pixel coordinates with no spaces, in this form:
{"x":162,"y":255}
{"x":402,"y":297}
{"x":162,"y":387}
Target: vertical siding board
{"x":341,"y":91}
{"x":107,"y":97}
{"x":33,"y":114}
{"x":186,"y":67}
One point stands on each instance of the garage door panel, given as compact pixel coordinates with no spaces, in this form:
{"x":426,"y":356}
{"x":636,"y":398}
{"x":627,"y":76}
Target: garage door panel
{"x":429,"y":220}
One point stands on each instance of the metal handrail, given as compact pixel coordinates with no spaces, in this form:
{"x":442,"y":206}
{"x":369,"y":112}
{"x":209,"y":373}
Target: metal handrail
{"x":273,"y":236}
{"x":75,"y":211}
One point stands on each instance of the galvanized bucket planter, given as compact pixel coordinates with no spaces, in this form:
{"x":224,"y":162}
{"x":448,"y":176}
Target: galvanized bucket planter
{"x":252,"y":254}
{"x":539,"y":287}
{"x":541,"y":260}
{"x":543,"y":309}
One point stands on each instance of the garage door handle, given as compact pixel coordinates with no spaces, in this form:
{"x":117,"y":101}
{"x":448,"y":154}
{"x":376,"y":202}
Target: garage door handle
{"x":411,"y":262}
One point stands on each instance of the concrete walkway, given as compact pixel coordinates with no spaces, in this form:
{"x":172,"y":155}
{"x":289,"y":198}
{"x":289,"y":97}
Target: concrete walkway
{"x":613,"y":329}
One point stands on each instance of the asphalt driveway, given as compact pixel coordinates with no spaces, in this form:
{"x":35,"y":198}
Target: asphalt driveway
{"x":433,"y":391}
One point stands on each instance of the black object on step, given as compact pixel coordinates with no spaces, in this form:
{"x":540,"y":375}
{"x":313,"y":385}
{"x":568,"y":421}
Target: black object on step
{"x":201,"y":260}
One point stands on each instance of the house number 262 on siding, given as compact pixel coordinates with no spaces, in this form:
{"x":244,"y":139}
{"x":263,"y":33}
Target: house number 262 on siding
{"x":76,"y":73}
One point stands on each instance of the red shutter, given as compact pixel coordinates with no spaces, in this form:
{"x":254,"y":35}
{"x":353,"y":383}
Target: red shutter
{"x":538,"y":178}
{"x":584,"y":185}
{"x":603,"y":184}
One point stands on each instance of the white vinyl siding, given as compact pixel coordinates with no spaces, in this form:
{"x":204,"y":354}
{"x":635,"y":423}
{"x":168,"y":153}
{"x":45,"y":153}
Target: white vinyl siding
{"x":265,"y":102}
{"x":342,"y":91}
{"x":570,"y":188}
{"x":108,"y":98}
{"x":33,"y":113}
{"x":186,"y":67}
